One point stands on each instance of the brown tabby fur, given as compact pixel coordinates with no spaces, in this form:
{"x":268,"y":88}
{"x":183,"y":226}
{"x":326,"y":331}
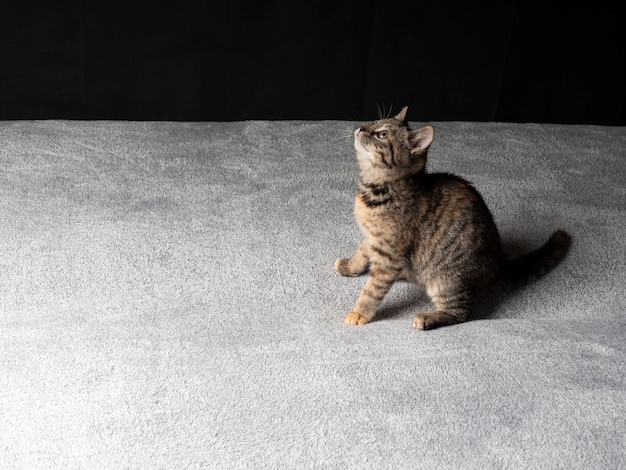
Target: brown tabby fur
{"x":431,"y":229}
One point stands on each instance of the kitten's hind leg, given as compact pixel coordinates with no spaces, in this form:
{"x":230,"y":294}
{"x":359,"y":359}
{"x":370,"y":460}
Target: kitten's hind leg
{"x":452,"y":303}
{"x":357,"y":265}
{"x":435,"y":319}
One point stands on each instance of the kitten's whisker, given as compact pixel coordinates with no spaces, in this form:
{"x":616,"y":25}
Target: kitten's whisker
{"x":344,"y":135}
{"x":349,"y":117}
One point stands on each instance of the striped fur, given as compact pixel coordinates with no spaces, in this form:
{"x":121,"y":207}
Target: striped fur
{"x":432,"y":229}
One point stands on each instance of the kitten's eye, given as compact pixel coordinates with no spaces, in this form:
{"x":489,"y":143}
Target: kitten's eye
{"x":382,"y":135}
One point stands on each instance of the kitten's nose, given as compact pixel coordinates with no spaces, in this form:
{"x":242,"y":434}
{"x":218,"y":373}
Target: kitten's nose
{"x":361,"y":129}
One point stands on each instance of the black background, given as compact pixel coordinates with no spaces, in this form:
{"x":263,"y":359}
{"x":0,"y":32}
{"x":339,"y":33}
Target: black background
{"x":194,"y":61}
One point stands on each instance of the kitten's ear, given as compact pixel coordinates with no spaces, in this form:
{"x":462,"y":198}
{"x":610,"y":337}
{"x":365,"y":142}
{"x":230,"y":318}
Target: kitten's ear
{"x":421,"y":139}
{"x":401,"y":116}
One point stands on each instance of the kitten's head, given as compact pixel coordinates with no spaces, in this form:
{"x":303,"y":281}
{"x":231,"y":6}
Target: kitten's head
{"x":388,"y":147}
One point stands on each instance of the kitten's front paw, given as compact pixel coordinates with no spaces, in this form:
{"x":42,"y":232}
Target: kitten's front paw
{"x":342,"y":265}
{"x":354,"y":318}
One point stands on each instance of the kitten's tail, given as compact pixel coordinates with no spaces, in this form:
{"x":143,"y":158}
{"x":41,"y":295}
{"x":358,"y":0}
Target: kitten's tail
{"x":537,"y":263}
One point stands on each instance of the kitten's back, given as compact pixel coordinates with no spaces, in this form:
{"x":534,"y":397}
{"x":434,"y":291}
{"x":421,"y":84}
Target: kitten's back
{"x":454,"y":231}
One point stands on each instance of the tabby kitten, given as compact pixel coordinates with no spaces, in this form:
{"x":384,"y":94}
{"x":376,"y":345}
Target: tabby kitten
{"x":431,"y":229}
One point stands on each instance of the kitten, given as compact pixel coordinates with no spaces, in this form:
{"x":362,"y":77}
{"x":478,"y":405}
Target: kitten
{"x":431,"y":229}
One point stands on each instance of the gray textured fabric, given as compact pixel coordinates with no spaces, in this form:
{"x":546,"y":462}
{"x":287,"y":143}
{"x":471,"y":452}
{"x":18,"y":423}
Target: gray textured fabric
{"x":168,"y":300}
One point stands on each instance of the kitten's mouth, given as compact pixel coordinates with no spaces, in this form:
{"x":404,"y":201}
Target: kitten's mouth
{"x":357,"y":134}
{"x":361,"y":151}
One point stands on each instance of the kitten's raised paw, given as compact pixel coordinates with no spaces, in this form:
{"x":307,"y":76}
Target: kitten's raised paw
{"x":342,"y":265}
{"x":354,"y":318}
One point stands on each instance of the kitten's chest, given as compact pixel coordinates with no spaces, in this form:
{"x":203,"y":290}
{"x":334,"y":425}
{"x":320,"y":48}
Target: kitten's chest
{"x":377,"y":220}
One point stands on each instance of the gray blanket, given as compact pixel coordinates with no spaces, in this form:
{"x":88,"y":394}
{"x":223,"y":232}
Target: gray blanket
{"x":168,"y":300}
